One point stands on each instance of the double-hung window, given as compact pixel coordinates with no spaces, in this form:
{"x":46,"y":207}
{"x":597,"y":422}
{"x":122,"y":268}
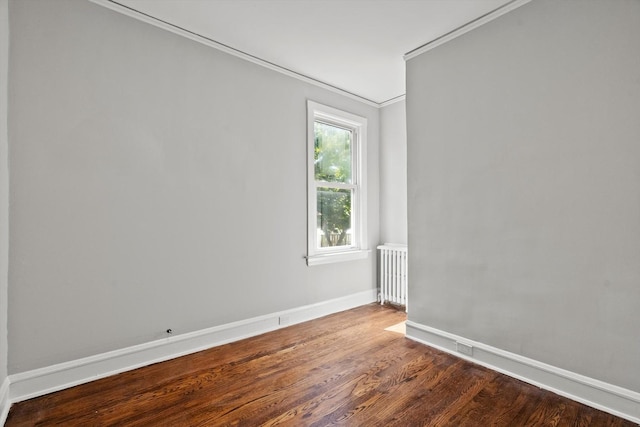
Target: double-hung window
{"x":336,"y":185}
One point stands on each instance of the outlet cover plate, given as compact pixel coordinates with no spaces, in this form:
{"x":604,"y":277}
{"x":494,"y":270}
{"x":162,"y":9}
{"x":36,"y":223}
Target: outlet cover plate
{"x":464,"y":348}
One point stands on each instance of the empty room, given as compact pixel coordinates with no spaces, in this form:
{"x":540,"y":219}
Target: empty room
{"x":320,"y":212}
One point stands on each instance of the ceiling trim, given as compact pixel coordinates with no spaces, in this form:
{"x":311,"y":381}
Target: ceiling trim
{"x":393,"y":100}
{"x":488,"y":17}
{"x":133,"y":13}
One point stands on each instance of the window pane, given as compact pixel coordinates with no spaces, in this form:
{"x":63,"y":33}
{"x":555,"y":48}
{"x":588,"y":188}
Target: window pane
{"x":334,"y":217}
{"x":332,"y":153}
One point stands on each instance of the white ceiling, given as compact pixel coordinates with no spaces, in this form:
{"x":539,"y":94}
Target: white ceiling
{"x":354,"y":45}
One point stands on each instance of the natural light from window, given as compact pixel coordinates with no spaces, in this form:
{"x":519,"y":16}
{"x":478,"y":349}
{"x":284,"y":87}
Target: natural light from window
{"x":336,"y":182}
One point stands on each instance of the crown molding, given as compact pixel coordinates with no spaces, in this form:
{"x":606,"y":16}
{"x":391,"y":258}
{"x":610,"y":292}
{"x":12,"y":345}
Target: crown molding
{"x":488,"y":17}
{"x":133,"y":13}
{"x":392,"y":101}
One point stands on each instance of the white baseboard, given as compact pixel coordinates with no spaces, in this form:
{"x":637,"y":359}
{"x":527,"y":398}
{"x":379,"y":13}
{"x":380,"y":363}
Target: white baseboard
{"x":38,"y":382}
{"x":607,"y":397}
{"x":5,"y":404}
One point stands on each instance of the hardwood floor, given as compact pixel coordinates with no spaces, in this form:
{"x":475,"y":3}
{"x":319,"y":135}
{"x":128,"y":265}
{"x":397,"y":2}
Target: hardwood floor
{"x":343,"y":369}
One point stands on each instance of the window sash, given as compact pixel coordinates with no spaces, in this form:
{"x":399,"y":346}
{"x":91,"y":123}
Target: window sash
{"x":353,"y":229}
{"x":353,"y":163}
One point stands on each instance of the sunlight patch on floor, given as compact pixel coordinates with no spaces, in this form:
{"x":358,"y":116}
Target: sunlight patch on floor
{"x":399,"y":328}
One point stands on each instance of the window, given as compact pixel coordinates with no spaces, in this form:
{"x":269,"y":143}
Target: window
{"x":336,"y":185}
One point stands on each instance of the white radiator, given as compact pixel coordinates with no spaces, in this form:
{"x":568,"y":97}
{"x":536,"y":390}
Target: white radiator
{"x":393,"y":274}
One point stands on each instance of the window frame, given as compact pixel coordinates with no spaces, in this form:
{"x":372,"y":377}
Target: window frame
{"x":358,"y":126}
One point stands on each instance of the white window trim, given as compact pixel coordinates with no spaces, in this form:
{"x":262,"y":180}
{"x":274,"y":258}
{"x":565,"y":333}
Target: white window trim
{"x":359,"y":249}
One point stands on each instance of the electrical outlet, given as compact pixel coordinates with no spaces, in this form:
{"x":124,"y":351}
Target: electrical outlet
{"x":464,"y":348}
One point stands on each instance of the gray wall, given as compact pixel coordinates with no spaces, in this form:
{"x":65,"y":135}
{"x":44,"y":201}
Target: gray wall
{"x":393,"y":173}
{"x":4,"y":187}
{"x":524,"y":184}
{"x":155,"y":183}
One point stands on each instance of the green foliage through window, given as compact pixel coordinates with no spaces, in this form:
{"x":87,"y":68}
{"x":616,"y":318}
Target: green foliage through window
{"x":332,"y":153}
{"x":333,"y":164}
{"x":334,"y":216}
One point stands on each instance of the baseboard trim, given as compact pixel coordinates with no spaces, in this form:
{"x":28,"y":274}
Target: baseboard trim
{"x":607,"y":397}
{"x":5,"y":403}
{"x":39,"y":382}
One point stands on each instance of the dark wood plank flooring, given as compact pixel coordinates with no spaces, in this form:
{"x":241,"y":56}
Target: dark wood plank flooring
{"x":343,"y":369}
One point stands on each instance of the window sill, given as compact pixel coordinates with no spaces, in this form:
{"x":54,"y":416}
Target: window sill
{"x":338,"y":257}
